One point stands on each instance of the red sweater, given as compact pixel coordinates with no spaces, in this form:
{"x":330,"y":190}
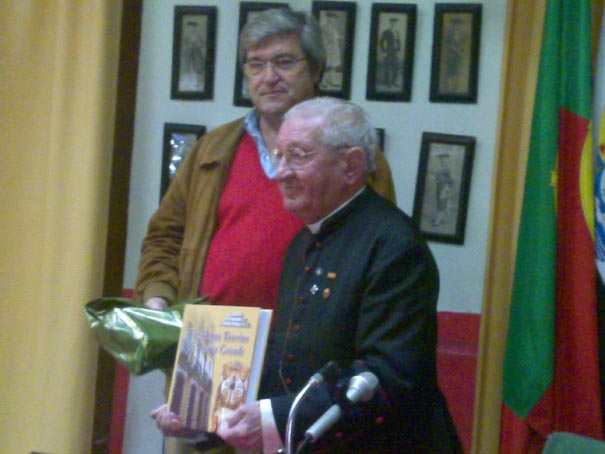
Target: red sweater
{"x":253,"y":231}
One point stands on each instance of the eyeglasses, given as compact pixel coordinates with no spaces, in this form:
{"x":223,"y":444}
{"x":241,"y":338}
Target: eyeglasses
{"x":295,"y":158}
{"x":282,"y":65}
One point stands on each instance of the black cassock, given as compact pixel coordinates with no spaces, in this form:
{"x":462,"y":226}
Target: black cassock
{"x":362,"y":292}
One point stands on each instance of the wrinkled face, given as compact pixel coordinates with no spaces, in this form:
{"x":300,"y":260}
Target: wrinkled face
{"x":274,"y":91}
{"x":315,"y":189}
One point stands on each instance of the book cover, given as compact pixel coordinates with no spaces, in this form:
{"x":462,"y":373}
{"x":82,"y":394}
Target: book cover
{"x":218,"y":363}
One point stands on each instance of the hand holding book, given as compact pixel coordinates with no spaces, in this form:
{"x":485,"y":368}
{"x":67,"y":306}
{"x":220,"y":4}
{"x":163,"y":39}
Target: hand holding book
{"x":218,"y":363}
{"x":243,"y":428}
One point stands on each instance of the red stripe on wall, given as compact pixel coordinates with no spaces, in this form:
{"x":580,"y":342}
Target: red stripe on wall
{"x":120,"y":399}
{"x":118,"y":411}
{"x":457,"y":364}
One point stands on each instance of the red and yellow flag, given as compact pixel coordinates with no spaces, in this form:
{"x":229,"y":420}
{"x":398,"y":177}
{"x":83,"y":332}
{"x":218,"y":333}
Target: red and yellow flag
{"x":551,"y":368}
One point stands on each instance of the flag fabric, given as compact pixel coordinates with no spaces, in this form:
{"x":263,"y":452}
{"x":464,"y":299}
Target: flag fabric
{"x":551,"y":366}
{"x":598,"y":122}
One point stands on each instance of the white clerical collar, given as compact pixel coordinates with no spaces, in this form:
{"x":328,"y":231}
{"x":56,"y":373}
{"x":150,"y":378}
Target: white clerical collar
{"x":316,"y":226}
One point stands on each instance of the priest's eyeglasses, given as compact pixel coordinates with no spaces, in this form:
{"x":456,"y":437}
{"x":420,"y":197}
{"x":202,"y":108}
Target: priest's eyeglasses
{"x":295,"y":158}
{"x":254,"y":68}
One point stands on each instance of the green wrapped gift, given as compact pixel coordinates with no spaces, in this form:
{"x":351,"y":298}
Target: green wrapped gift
{"x":141,"y":339}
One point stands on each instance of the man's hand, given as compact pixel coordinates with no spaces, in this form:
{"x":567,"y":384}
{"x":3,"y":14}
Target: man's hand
{"x":158,"y":303}
{"x":243,"y":429}
{"x":167,"y":421}
{"x":170,"y":424}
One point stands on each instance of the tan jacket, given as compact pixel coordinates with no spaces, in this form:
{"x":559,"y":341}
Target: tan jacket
{"x":179,"y":233}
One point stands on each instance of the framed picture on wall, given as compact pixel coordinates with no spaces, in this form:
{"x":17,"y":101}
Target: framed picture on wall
{"x":443,"y":185}
{"x":455,"y":60}
{"x":391,"y":53}
{"x":193,"y":52}
{"x":178,"y":141}
{"x":247,"y":10}
{"x":337,"y":22}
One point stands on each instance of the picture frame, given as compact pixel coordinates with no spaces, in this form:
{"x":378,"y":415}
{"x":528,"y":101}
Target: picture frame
{"x":443,"y":186}
{"x":391,"y":52}
{"x":179,"y":139}
{"x":455,"y":55}
{"x":337,"y":23}
{"x":241,"y":96}
{"x":193,"y":52}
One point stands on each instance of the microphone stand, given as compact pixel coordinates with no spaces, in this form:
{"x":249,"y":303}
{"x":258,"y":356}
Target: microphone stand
{"x":361,"y":388}
{"x":329,"y":371}
{"x":292,"y":415}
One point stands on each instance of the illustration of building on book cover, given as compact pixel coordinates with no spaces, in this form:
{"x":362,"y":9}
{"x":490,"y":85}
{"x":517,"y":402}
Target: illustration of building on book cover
{"x":218,"y":363}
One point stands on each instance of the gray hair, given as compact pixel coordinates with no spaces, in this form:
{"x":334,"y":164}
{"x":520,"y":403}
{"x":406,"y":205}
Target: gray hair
{"x":284,"y":21}
{"x":343,"y":124}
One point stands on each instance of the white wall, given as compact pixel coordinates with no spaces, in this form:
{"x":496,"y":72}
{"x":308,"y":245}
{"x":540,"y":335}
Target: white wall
{"x":462,"y":267}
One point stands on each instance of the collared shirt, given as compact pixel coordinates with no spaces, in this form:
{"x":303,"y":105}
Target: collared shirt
{"x":272,"y":440}
{"x":252,"y":126}
{"x":316,"y":226}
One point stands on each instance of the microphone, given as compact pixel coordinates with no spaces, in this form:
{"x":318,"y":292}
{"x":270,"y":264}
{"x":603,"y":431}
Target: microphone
{"x":327,"y":374}
{"x":361,"y":389}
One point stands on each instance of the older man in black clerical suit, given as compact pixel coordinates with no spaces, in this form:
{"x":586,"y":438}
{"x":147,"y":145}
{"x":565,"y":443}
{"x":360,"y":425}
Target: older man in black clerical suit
{"x":359,"y":287}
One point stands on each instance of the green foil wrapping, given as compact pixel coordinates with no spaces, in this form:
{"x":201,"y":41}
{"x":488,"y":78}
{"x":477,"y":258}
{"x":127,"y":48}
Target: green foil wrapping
{"x":139,"y":338}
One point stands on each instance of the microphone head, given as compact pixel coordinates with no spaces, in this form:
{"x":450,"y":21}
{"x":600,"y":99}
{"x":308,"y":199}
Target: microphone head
{"x":362,"y":387}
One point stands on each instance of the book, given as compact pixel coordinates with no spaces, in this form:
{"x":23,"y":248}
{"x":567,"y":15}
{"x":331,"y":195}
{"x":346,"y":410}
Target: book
{"x":218,"y":363}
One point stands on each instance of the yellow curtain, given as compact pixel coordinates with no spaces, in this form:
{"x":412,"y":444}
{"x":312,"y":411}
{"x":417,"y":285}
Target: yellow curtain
{"x":57,"y":99}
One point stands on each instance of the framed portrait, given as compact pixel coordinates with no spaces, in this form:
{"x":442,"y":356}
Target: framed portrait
{"x":337,"y":22}
{"x":391,"y":53}
{"x":193,"y":52}
{"x":455,"y":59}
{"x":178,"y":141}
{"x":442,"y":187}
{"x":247,"y":10}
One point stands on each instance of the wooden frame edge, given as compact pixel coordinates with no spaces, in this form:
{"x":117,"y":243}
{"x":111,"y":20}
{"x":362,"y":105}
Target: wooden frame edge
{"x":519,"y":76}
